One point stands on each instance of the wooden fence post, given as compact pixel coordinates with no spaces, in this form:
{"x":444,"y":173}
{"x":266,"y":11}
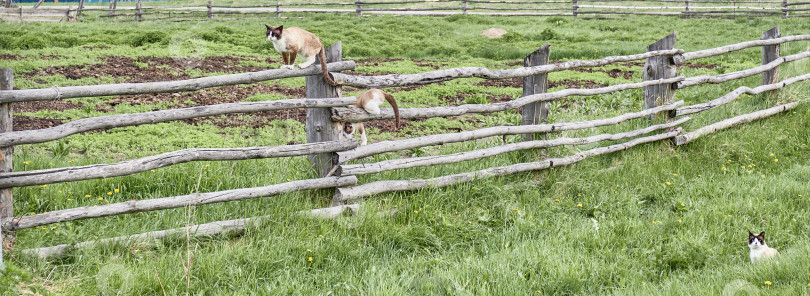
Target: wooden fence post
{"x":9,"y":3}
{"x":210,"y":11}
{"x":111,"y":10}
{"x":686,"y":12}
{"x":659,"y":67}
{"x":537,"y":112}
{"x":575,"y":7}
{"x":81,"y":7}
{"x":138,"y":11}
{"x":38,"y":4}
{"x":319,"y":124}
{"x":784,"y":8}
{"x":464,"y":7}
{"x":278,"y":9}
{"x":359,"y":8}
{"x":6,"y":158}
{"x":770,"y":53}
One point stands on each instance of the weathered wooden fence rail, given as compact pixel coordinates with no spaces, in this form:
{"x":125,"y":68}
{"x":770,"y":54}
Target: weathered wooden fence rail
{"x":335,"y":157}
{"x":574,"y":8}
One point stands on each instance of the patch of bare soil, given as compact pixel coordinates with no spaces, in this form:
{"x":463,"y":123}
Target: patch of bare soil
{"x":208,"y":96}
{"x":22,"y":123}
{"x":124,"y":69}
{"x":11,"y":57}
{"x":35,"y":106}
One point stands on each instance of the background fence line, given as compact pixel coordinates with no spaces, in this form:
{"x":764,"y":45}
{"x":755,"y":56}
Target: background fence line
{"x":573,"y":8}
{"x":334,"y":156}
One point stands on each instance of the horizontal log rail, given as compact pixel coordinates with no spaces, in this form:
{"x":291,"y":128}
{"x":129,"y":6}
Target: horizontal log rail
{"x":737,"y":120}
{"x":688,"y":56}
{"x":124,"y":168}
{"x":714,"y":79}
{"x":411,"y":9}
{"x":686,"y":110}
{"x":347,"y":194}
{"x":439,"y":139}
{"x":796,"y":3}
{"x":196,"y":199}
{"x":516,"y":2}
{"x":468,"y":72}
{"x":517,"y":9}
{"x":395,"y":164}
{"x":234,"y":226}
{"x":353,"y":114}
{"x":113,"y":121}
{"x":58,"y":93}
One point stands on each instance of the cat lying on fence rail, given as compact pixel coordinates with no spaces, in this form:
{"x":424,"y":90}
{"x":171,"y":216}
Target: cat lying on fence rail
{"x":369,"y":100}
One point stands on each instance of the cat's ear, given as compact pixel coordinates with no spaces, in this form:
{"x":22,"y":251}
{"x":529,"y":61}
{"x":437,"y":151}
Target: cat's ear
{"x":280,"y":28}
{"x":761,"y":234}
{"x":269,"y":28}
{"x":750,"y":235}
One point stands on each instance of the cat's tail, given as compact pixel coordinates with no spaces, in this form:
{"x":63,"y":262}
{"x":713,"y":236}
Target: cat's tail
{"x":322,"y":57}
{"x":393,"y":103}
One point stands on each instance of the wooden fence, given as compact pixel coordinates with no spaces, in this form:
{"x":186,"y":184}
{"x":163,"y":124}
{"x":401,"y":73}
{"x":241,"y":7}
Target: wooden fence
{"x":574,"y":8}
{"x":334,"y":158}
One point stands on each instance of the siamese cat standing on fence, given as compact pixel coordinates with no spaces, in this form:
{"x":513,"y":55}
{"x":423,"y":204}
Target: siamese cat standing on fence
{"x":294,"y":41}
{"x":370,"y":101}
{"x":759,"y":250}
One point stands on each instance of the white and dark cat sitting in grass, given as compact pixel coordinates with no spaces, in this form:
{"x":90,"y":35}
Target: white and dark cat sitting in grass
{"x":759,"y":250}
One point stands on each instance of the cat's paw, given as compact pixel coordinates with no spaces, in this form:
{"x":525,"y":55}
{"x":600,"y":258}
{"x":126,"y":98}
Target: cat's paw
{"x":288,"y":67}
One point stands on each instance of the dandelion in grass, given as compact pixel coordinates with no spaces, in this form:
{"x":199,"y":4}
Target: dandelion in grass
{"x":800,"y":195}
{"x":26,"y":162}
{"x":723,"y":168}
{"x":309,"y":259}
{"x":416,"y":212}
{"x":308,"y":250}
{"x":776,"y":160}
{"x":469,"y":222}
{"x":699,"y":175}
{"x":768,"y":283}
{"x":32,"y":213}
{"x":763,"y":175}
{"x":320,"y":235}
{"x":668,"y":183}
{"x":43,"y":186}
{"x":679,"y":221}
{"x":771,"y":154}
{"x":87,"y":195}
{"x":116,"y":190}
{"x":683,"y":204}
{"x":109,"y":192}
{"x":152,"y":171}
{"x":427,"y":251}
{"x":579,"y":205}
{"x":729,"y":160}
{"x":359,"y":245}
{"x":516,"y":210}
{"x":675,"y":174}
{"x":100,"y":198}
{"x":70,"y":199}
{"x":557,"y":200}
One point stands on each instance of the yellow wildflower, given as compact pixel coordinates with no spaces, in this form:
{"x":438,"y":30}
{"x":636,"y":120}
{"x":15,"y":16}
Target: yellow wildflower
{"x":683,"y":205}
{"x":70,"y":199}
{"x":723,"y":168}
{"x":100,"y":198}
{"x":109,"y":192}
{"x":776,"y":160}
{"x":320,"y":235}
{"x":669,"y":183}
{"x":579,"y":205}
{"x":309,"y":259}
{"x":116,"y":190}
{"x":308,"y":250}
{"x":87,"y":195}
{"x":771,"y":154}
{"x":768,"y":283}
{"x":675,"y":175}
{"x":679,"y":220}
{"x":416,"y":212}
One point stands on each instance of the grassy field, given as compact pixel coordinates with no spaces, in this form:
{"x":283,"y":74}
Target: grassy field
{"x":653,"y":220}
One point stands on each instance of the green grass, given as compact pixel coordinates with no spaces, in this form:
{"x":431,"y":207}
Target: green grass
{"x":653,"y":220}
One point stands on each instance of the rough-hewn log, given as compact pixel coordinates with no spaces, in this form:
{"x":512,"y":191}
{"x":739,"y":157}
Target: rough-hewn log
{"x":735,"y":94}
{"x":679,"y":59}
{"x":346,"y":194}
{"x":137,"y":206}
{"x":691,"y":81}
{"x":658,"y":68}
{"x":57,"y":93}
{"x":319,"y":126}
{"x":207,"y":229}
{"x":219,"y":227}
{"x":709,"y":129}
{"x":537,"y":112}
{"x":395,"y":164}
{"x":96,"y":171}
{"x":439,"y":139}
{"x":352,"y":114}
{"x":466,"y":72}
{"x":112,"y":121}
{"x":770,"y":53}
